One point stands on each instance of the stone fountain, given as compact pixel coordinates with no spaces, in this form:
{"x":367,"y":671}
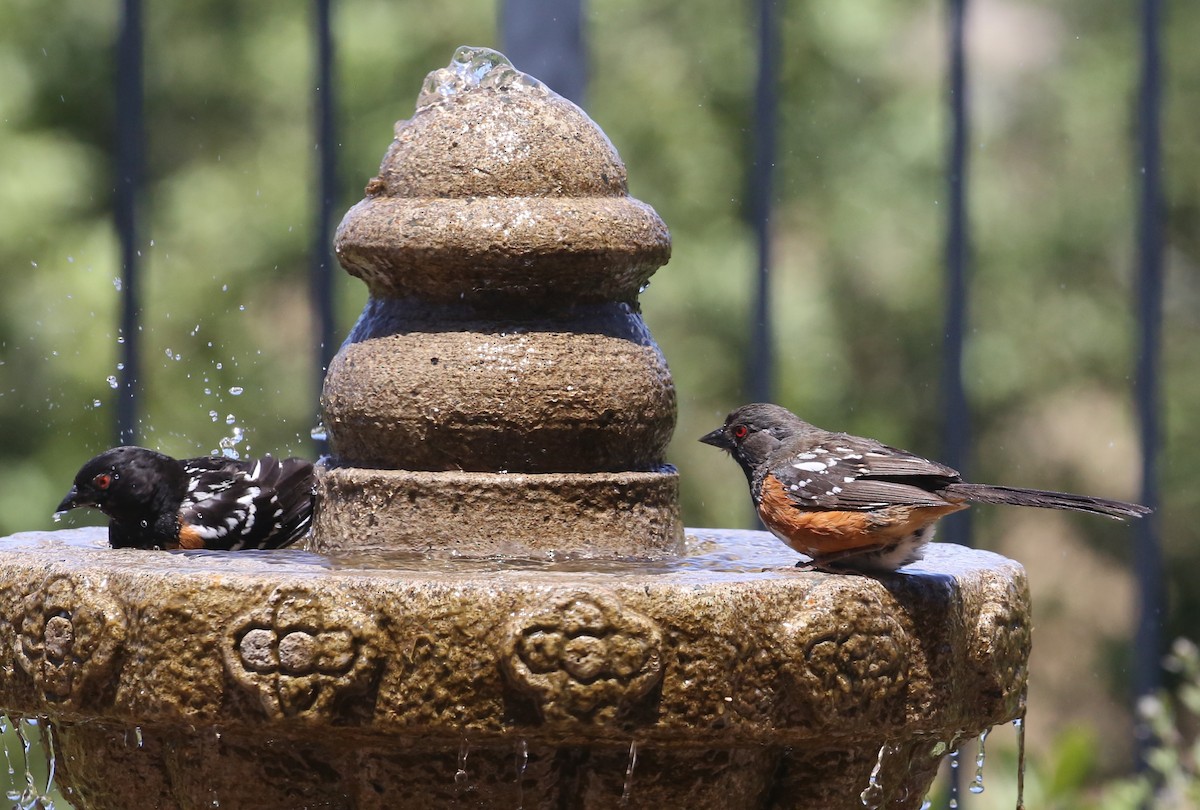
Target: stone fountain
{"x":500,"y":607}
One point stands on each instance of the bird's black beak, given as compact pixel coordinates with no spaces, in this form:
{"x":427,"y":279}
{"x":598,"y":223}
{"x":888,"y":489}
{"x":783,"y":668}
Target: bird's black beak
{"x":718,"y":438}
{"x":69,"y":502}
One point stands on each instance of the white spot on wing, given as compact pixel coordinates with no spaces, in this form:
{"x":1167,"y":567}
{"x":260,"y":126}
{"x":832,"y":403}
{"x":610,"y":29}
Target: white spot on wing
{"x":810,"y":466}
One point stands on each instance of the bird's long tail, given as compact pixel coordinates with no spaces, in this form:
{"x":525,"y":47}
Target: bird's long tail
{"x":1015,"y":496}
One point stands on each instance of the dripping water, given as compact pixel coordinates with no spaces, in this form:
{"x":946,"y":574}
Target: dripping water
{"x":29,"y":795}
{"x":953,"y":803}
{"x":977,"y":784}
{"x":522,"y":764}
{"x":47,"y":739}
{"x":460,"y":776}
{"x":872,"y":795}
{"x":5,"y":725}
{"x":1019,"y":725}
{"x":627,"y":789}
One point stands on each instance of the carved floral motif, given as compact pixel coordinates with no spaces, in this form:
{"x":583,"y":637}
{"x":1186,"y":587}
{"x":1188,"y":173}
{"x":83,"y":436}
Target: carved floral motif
{"x":848,"y":653}
{"x":68,"y":637}
{"x":302,"y":652}
{"x":583,"y":655}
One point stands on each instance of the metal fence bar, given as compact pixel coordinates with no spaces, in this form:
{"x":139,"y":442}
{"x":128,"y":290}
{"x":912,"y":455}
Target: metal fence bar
{"x":760,"y":352}
{"x":1147,"y":555}
{"x":129,"y":163}
{"x":321,"y":261}
{"x":545,"y":39}
{"x":956,"y":423}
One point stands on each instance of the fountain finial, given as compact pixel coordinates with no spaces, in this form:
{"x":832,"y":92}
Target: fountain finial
{"x":500,"y":377}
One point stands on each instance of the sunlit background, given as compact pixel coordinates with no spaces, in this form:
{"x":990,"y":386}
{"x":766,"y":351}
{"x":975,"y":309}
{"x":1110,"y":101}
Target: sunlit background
{"x":858,"y":242}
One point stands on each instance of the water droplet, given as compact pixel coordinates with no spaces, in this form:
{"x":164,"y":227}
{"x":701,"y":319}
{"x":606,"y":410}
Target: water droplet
{"x":319,"y":433}
{"x":213,"y":415}
{"x":96,"y":403}
{"x":112,"y":381}
{"x":117,"y":283}
{"x":120,"y":366}
{"x":235,"y":390}
{"x":57,"y":517}
{"x":137,"y":735}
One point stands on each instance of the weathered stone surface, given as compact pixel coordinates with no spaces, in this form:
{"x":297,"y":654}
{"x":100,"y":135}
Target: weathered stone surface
{"x":504,"y":251}
{"x":488,"y":514}
{"x":333,"y":682}
{"x":420,"y":388}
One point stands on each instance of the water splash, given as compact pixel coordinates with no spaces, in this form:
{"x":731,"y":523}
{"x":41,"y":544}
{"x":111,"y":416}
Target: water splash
{"x":476,"y":68}
{"x":627,"y":789}
{"x":872,"y":795}
{"x":977,"y":784}
{"x":228,"y":445}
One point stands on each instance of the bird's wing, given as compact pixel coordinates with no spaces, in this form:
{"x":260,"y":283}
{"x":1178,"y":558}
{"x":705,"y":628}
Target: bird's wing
{"x":253,"y":503}
{"x":848,"y":472}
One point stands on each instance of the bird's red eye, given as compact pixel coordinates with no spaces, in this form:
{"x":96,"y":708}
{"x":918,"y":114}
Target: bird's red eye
{"x":740,"y":432}
{"x":102,"y":481}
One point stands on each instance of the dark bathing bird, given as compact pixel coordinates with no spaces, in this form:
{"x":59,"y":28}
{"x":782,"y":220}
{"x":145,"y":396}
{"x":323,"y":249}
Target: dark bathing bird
{"x":211,"y":502}
{"x":852,"y":503}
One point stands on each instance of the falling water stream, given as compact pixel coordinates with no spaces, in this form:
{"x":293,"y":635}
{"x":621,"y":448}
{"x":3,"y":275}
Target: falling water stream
{"x":627,"y":788}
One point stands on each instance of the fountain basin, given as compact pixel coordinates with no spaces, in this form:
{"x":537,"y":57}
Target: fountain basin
{"x":289,"y":679}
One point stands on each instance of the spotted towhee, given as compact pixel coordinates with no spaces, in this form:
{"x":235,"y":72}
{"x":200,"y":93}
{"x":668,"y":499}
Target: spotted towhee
{"x":155,"y":501}
{"x":854,"y":503}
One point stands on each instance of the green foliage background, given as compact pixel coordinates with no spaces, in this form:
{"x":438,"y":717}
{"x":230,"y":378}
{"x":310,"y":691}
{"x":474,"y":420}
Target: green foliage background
{"x":858,"y":233}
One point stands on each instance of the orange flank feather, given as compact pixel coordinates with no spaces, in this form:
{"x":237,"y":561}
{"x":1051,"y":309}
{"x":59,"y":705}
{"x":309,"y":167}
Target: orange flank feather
{"x":824,"y":533}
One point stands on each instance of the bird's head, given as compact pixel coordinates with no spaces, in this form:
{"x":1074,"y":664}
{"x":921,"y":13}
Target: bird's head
{"x":125,"y":483}
{"x":752,"y":432}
